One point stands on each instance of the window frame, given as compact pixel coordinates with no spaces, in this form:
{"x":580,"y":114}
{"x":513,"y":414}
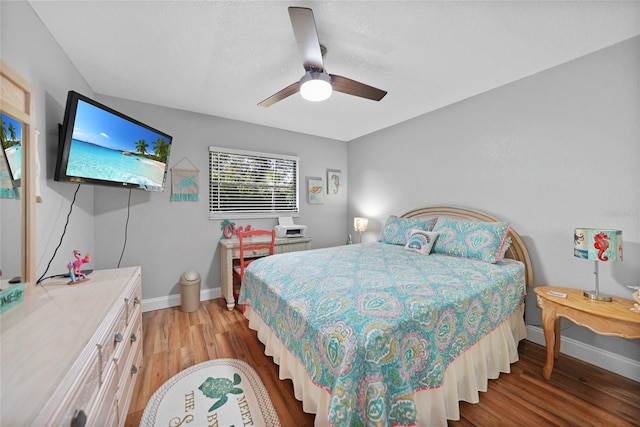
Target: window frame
{"x":239,"y":214}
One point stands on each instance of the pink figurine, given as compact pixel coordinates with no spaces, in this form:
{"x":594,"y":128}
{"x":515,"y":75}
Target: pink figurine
{"x":75,"y":271}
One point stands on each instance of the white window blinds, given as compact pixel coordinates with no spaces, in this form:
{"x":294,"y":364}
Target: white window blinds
{"x":248,"y":184}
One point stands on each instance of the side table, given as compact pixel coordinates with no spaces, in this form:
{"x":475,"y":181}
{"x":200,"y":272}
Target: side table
{"x":606,"y":318}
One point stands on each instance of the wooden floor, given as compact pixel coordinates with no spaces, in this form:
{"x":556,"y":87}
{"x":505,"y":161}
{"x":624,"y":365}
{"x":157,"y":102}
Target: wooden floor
{"x":578,"y":394}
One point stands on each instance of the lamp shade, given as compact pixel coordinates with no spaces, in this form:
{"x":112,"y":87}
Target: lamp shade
{"x":360,"y":224}
{"x":597,"y":244}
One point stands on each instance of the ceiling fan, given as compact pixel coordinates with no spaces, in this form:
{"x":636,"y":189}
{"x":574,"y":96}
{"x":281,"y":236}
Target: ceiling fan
{"x":317,"y":84}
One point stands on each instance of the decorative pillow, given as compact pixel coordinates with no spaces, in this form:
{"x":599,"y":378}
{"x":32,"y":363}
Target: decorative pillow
{"x":396,"y":230}
{"x":421,"y":241}
{"x":471,"y":239}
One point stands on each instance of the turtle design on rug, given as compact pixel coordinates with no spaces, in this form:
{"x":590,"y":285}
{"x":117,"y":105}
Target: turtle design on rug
{"x":230,"y":385}
{"x":219,"y":388}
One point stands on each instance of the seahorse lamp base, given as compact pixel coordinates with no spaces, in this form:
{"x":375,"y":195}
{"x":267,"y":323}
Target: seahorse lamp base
{"x":596,"y":295}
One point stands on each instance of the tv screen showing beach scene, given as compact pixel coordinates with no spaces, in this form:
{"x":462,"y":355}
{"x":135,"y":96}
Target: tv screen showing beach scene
{"x":11,"y":137}
{"x":107,"y":147}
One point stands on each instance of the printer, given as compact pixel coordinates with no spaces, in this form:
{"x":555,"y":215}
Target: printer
{"x":286,"y":228}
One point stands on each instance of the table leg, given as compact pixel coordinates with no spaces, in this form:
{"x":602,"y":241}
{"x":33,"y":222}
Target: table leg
{"x":551,"y":328}
{"x":556,"y":344}
{"x":226,"y":277}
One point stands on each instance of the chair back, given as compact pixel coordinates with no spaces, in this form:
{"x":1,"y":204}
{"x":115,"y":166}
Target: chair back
{"x":254,"y":244}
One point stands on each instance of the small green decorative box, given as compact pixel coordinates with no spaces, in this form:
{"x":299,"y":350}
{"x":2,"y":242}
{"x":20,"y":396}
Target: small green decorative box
{"x":11,"y":296}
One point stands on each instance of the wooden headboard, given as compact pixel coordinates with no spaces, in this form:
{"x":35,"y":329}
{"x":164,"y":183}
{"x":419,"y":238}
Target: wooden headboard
{"x":517,"y":250}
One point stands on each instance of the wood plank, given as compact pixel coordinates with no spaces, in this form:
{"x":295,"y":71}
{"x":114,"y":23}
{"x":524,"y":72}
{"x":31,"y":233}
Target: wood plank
{"x":578,"y":393}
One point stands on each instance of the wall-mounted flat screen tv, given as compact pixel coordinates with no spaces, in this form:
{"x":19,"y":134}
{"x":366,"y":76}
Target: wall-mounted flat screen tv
{"x":99,"y":145}
{"x":11,"y":138}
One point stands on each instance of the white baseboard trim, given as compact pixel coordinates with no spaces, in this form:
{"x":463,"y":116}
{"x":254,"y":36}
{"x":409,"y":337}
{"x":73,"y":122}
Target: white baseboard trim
{"x":174,"y":300}
{"x":596,"y":356}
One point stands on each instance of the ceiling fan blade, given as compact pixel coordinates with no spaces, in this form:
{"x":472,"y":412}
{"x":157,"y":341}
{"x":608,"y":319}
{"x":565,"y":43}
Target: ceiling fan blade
{"x":279,"y":96}
{"x":304,"y":30}
{"x":352,"y":87}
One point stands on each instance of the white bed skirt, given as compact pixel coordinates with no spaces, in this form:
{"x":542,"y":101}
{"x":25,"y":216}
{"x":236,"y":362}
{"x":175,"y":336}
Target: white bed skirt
{"x":464,"y":378}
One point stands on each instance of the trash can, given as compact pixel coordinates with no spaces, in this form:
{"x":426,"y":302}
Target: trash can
{"x":190,"y":291}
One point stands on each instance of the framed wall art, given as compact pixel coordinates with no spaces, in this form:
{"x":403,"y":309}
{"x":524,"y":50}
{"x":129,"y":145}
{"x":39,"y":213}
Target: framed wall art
{"x":315,"y":190}
{"x":334,"y":182}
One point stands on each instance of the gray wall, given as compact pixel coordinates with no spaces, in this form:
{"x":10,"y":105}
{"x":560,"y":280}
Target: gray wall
{"x":548,"y":153}
{"x":28,"y":48}
{"x":166,"y":238}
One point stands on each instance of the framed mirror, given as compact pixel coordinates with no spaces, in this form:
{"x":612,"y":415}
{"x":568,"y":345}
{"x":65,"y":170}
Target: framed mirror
{"x":17,"y":184}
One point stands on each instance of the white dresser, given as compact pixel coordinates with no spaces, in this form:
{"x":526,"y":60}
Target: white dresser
{"x":69,"y":354}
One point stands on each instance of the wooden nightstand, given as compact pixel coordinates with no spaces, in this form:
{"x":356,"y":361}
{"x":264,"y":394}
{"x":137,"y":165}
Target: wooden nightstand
{"x":607,"y":318}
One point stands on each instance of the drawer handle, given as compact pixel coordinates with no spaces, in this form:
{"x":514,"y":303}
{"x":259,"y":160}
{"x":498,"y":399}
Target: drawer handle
{"x":136,"y":301}
{"x":134,"y":338}
{"x":118,"y":337}
{"x":79,"y":419}
{"x":134,"y":369}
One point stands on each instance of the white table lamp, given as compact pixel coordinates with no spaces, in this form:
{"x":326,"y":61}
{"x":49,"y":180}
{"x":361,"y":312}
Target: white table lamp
{"x":360,"y":225}
{"x":600,"y":245}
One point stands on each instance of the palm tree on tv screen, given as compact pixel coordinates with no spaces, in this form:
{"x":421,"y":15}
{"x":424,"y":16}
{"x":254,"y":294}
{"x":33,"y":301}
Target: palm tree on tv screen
{"x":12,"y":131}
{"x":141,"y":146}
{"x":3,"y":134}
{"x":161,"y":149}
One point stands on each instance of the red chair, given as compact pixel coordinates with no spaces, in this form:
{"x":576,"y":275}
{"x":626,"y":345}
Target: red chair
{"x":253,"y":244}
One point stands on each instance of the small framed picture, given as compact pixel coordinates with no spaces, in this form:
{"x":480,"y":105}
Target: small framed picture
{"x":334,"y":182}
{"x":315,"y":190}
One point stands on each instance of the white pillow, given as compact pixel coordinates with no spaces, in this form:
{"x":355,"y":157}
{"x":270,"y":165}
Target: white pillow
{"x":421,"y":241}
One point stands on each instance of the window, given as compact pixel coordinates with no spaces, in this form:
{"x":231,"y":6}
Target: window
{"x":248,"y":184}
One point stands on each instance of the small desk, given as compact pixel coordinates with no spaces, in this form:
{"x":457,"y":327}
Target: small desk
{"x":606,"y":318}
{"x":230,"y":250}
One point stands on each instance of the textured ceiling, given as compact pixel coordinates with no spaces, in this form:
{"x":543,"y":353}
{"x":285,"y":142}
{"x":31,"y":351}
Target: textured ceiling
{"x":221,"y":58}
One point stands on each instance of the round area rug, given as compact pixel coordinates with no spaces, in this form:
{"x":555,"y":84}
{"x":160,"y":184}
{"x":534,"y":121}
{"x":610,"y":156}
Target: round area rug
{"x":221,"y":392}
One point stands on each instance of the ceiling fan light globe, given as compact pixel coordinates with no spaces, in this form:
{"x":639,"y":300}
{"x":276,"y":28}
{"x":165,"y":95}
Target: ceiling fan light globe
{"x":315,"y":86}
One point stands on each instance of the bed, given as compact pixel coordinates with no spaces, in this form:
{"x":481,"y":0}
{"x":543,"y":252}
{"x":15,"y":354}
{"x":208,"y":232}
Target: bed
{"x":384,"y":334}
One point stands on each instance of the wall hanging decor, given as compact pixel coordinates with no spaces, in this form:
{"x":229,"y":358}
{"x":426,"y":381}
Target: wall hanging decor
{"x":315,"y":190}
{"x":334,"y":182}
{"x":229,"y":229}
{"x":185,"y":183}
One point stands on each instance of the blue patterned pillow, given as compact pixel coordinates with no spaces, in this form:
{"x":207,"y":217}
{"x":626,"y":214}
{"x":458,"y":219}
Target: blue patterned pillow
{"x":396,"y":230}
{"x":421,"y":241}
{"x":471,"y":239}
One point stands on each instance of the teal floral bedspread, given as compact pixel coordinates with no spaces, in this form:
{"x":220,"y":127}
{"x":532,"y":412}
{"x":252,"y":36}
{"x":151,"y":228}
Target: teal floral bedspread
{"x":373,"y":323}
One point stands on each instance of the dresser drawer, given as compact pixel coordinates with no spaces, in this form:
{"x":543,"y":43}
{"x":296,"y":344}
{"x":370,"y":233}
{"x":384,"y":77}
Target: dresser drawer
{"x":82,"y":395}
{"x":132,"y":341}
{"x":113,"y":339}
{"x":133,"y":299}
{"x":256,"y":253}
{"x":292,"y":247}
{"x":102,"y":413}
{"x":130,"y":373}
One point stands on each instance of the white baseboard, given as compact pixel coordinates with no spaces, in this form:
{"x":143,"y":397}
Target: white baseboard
{"x":174,"y":300}
{"x":596,"y":356}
